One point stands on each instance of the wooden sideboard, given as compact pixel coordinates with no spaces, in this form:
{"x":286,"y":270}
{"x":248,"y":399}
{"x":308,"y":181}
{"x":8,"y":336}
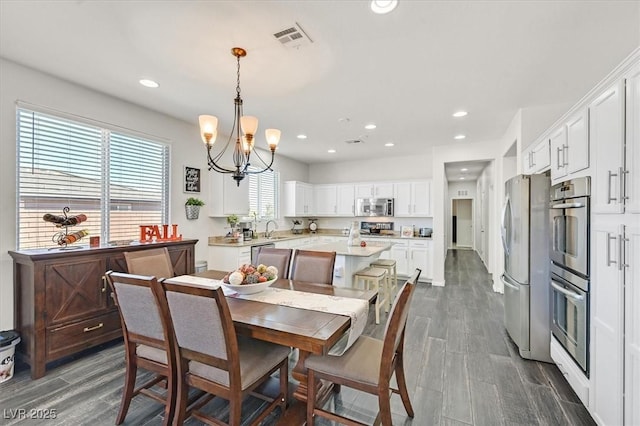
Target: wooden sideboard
{"x":62,"y":303}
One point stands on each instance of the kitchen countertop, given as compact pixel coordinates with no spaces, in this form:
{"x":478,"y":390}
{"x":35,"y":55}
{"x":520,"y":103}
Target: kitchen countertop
{"x":220,"y":241}
{"x":341,"y":248}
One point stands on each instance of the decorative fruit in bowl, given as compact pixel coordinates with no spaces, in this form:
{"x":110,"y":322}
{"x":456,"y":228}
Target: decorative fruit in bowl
{"x":249,"y":279}
{"x":363,"y":244}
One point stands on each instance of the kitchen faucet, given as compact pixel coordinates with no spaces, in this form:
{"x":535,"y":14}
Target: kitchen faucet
{"x":268,"y":233}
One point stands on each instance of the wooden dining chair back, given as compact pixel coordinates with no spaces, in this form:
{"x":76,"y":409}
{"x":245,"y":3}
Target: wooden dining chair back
{"x":154,"y":262}
{"x":213,"y":359}
{"x":368,"y":365}
{"x":313,"y":266}
{"x":278,"y":257}
{"x":147,"y":342}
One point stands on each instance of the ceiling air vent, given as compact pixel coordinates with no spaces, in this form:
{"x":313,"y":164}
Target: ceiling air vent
{"x":293,"y":37}
{"x":354,"y":141}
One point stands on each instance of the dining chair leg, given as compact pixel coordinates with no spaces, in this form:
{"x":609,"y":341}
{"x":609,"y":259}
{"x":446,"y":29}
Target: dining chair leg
{"x":127,"y":391}
{"x":235,"y":411}
{"x":182,"y":396}
{"x":402,"y":385}
{"x":284,"y":385}
{"x":311,"y":396}
{"x":385,"y":407}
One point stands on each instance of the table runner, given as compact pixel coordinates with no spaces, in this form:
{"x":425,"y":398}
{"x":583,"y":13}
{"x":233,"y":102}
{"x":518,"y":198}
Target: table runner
{"x":356,"y":309}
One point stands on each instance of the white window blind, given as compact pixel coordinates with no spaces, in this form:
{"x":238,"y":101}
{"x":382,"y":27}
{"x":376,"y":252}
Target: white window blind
{"x":118,"y":181}
{"x":263,"y":194}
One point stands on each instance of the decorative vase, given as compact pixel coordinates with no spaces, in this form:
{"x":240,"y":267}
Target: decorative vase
{"x":192,"y":211}
{"x":354,"y":234}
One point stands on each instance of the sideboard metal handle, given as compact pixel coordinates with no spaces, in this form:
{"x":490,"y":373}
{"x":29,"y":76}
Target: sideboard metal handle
{"x":95,"y":327}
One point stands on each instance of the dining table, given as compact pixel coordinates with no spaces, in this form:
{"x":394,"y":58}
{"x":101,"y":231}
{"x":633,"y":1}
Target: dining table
{"x":309,"y":331}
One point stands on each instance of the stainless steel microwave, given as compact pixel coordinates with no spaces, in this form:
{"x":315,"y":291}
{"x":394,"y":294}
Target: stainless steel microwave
{"x":374,"y":207}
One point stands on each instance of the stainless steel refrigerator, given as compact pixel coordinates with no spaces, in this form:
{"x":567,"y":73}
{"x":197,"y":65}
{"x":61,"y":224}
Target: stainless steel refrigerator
{"x":525,"y":239}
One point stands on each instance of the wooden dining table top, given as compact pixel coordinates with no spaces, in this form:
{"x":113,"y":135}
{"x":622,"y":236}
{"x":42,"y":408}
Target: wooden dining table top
{"x":311,"y":331}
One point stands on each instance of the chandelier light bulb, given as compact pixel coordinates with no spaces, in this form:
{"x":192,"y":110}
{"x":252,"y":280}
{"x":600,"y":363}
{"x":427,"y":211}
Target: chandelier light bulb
{"x":208,"y":128}
{"x":273,"y":137}
{"x":249,"y":125}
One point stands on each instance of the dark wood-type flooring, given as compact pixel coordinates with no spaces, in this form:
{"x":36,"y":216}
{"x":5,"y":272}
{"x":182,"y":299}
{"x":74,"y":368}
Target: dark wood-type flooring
{"x":461,"y":368}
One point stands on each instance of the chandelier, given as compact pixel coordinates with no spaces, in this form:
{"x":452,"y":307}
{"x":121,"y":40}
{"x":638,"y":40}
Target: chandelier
{"x":241,"y":136}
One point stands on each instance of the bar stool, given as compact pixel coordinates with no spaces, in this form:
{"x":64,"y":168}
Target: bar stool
{"x":392,"y":277}
{"x":374,"y":279}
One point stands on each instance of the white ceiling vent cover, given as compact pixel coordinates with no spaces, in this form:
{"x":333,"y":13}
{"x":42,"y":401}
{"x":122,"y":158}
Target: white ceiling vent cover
{"x":293,"y":37}
{"x":354,"y":141}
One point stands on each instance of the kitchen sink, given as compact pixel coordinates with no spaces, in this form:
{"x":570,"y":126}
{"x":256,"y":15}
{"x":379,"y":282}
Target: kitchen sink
{"x":277,"y":238}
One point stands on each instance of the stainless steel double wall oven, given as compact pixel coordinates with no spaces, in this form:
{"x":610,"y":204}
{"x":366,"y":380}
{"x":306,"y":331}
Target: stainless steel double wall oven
{"x":570,"y":215}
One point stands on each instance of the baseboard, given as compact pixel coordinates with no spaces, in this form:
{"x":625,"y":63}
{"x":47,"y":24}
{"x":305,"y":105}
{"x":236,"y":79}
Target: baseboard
{"x":437,"y":283}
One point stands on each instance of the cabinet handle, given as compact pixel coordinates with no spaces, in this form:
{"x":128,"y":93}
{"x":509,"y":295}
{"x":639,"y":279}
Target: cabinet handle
{"x":623,"y":251}
{"x":409,"y":208}
{"x":609,"y":176}
{"x":335,"y":209}
{"x":104,"y":284}
{"x":558,"y":164}
{"x":623,"y":184}
{"x":608,"y":249}
{"x":565,"y":148}
{"x":532,"y":163}
{"x":95,"y":327}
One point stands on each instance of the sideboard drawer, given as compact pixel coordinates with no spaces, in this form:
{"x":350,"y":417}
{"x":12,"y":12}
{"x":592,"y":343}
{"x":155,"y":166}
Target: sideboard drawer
{"x":71,"y":338}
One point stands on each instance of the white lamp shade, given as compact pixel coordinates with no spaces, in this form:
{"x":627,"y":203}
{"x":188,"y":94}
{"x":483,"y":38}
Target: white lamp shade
{"x":249,"y":124}
{"x":208,"y":128}
{"x":273,"y":137}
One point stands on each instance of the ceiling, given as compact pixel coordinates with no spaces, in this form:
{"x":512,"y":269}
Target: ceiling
{"x":464,"y":170}
{"x":407,"y":71}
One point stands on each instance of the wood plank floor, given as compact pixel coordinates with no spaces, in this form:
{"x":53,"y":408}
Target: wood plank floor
{"x":461,"y":368}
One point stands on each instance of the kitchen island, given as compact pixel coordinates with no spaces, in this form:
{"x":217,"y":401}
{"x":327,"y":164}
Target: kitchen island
{"x":350,"y":259}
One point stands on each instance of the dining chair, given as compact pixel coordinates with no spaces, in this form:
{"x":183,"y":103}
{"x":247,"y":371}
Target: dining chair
{"x":313,"y":266}
{"x":368,"y":365}
{"x":154,"y":262}
{"x":278,"y":257}
{"x":212,"y":358}
{"x":147,"y":342}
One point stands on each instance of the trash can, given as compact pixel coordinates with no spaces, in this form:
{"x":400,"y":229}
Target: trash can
{"x":201,"y":266}
{"x":8,"y":341}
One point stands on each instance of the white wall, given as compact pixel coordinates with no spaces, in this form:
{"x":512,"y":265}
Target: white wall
{"x":27,"y":85}
{"x":484,"y":194}
{"x":388,"y":168}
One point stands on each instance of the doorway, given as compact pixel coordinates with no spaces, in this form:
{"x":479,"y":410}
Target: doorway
{"x":462,"y":222}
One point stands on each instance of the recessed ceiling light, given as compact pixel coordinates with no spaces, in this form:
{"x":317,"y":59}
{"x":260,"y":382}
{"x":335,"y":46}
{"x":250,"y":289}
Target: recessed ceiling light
{"x":383,"y":6}
{"x":389,"y":144}
{"x":332,"y":151}
{"x":149,"y":83}
{"x":460,"y":113}
{"x":459,"y":137}
{"x":462,"y":178}
{"x":370,"y":126}
{"x":463,"y":170}
{"x":301,"y":136}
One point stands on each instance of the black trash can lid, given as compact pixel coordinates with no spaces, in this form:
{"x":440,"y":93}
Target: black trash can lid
{"x":6,"y":337}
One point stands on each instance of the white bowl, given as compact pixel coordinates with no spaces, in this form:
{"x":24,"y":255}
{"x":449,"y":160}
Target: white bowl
{"x":249,"y":288}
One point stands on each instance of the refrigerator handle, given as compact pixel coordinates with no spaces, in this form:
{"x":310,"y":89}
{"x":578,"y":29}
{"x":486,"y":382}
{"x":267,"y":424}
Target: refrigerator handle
{"x":503,"y":226}
{"x":508,"y":284}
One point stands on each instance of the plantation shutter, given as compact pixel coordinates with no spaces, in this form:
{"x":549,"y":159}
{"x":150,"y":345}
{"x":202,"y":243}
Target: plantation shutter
{"x":263,"y":194}
{"x":118,"y":181}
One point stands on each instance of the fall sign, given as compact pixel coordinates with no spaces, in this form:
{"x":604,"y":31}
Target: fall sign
{"x":150,"y":233}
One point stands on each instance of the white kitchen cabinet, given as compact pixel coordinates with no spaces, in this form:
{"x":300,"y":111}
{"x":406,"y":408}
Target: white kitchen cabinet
{"x":228,"y":258}
{"x":326,"y":200}
{"x":298,"y":199}
{"x":421,"y":256}
{"x":412,"y":199}
{"x":606,"y":132}
{"x":346,"y":200}
{"x":607,"y":314}
{"x":577,"y":149}
{"x":226,"y":197}
{"x":558,"y":142}
{"x":400,"y":253}
{"x":632,"y":325}
{"x":537,"y":158}
{"x":374,"y":190}
{"x":632,"y":101}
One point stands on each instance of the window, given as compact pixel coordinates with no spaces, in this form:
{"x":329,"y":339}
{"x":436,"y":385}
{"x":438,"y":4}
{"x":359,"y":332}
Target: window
{"x":91,"y":170}
{"x":263,"y":193}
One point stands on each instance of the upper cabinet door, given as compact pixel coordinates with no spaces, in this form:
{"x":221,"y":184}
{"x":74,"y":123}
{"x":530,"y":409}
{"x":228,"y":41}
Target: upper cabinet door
{"x":606,"y":131}
{"x":325,"y":200}
{"x":577,"y":142}
{"x":558,"y":141}
{"x":402,"y":204}
{"x":346,"y":200}
{"x":228,"y":198}
{"x":632,"y":182}
{"x":421,"y":197}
